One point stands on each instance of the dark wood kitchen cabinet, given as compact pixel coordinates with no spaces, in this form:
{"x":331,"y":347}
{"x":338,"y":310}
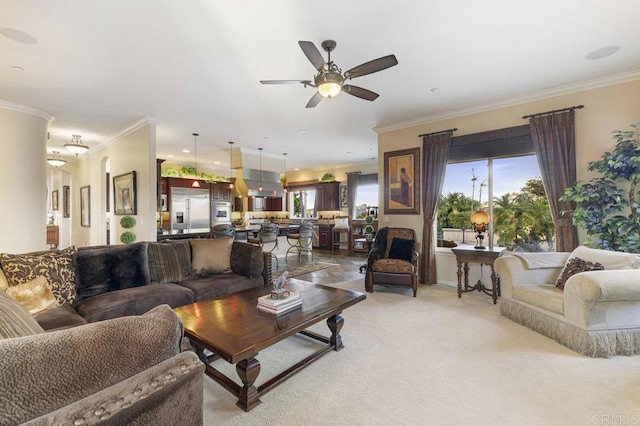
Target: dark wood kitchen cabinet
{"x":273,"y":204}
{"x":220,"y":191}
{"x":324,"y":236}
{"x":327,"y":196}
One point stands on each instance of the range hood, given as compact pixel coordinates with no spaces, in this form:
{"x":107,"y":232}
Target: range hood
{"x":248,"y":181}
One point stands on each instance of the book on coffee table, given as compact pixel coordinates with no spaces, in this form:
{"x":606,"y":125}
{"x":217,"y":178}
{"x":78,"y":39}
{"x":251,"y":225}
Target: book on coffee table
{"x":277,"y":306}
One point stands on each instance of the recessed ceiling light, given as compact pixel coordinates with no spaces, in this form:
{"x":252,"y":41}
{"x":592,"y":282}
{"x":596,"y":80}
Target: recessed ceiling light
{"x":186,"y":151}
{"x":170,"y":155}
{"x":296,"y":169}
{"x":216,"y":162}
{"x":602,"y":53}
{"x":302,"y":130}
{"x":17,"y":35}
{"x":17,"y":68}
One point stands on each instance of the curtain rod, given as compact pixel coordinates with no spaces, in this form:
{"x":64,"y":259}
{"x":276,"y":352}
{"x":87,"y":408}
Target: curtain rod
{"x":435,"y":133}
{"x":554,"y":111}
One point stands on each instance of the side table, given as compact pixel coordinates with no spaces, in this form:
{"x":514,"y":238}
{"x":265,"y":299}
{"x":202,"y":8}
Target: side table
{"x":483,"y":257}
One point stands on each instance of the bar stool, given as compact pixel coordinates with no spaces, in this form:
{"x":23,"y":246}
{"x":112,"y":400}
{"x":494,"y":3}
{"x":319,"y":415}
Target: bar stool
{"x":301,"y":241}
{"x":268,"y":234}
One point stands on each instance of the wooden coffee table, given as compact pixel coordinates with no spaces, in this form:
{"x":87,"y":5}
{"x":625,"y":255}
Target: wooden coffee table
{"x":233,"y":329}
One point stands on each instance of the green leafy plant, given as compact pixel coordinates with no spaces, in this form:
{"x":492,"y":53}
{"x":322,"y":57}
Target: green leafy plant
{"x":127,"y":237}
{"x":127,"y":222}
{"x":327,"y":177}
{"x":190,"y":172}
{"x":607,"y":206}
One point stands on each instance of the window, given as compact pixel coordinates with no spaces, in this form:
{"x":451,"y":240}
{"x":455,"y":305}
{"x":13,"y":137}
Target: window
{"x":302,"y":203}
{"x":509,"y":188}
{"x":366,"y":196}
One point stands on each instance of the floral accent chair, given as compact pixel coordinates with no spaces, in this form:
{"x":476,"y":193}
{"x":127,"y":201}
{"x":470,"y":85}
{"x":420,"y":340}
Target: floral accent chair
{"x":393,"y":260}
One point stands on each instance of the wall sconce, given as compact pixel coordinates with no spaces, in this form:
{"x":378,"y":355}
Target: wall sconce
{"x":480,"y":220}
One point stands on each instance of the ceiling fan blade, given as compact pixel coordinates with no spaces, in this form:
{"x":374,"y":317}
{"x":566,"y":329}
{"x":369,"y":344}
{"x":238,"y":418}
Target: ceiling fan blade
{"x":315,"y":100}
{"x":284,"y":81}
{"x":359,"y":92}
{"x":372,"y":66}
{"x":313,"y":54}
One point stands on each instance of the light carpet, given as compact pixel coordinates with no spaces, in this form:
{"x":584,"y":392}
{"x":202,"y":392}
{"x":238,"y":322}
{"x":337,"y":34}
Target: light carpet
{"x":434,"y":360}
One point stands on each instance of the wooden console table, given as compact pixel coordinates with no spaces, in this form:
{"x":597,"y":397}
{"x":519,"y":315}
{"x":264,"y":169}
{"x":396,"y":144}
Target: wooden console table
{"x":483,"y":257}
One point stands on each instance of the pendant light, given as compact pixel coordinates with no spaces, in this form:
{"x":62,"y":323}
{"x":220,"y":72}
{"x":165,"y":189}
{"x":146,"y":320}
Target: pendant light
{"x":76,"y":146}
{"x":284,"y":185}
{"x":230,"y":161}
{"x":260,"y":187}
{"x":195,"y":183}
{"x":56,"y":160}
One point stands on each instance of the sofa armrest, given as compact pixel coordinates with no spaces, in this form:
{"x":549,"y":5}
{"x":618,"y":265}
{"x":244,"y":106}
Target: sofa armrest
{"x":513,"y":271}
{"x":608,"y":285}
{"x":166,"y":393}
{"x":81,"y":361}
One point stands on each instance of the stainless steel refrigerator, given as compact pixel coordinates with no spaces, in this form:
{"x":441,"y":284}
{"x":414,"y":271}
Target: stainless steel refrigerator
{"x":190,"y":210}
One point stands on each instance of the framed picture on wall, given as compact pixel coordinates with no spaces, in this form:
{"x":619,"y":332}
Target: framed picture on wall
{"x":124,"y":194}
{"x":66,"y":201}
{"x":85,"y":206}
{"x":344,"y":201}
{"x":54,"y":200}
{"x":402,"y":181}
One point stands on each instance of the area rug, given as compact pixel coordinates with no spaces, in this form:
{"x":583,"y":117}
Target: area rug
{"x":307,"y":268}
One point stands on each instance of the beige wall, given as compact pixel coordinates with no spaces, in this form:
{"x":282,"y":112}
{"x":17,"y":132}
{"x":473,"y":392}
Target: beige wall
{"x":135,"y":150}
{"x":24,"y":191}
{"x":605,"y":109}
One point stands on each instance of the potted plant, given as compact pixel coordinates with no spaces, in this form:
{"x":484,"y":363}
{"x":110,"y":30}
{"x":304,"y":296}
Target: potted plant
{"x":127,"y":222}
{"x":607,"y":207}
{"x":327,"y":177}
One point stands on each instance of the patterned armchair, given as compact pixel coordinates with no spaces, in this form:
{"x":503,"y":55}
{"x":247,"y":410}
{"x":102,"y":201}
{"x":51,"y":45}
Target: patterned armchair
{"x":393,"y":260}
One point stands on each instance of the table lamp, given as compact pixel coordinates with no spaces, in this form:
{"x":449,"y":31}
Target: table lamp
{"x":479,"y":220}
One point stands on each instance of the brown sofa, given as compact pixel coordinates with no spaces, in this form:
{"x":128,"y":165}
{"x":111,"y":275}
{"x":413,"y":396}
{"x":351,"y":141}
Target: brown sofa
{"x":114,"y":281}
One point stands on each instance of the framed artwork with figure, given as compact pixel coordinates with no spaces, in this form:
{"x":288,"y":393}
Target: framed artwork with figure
{"x":402,"y":181}
{"x":124,"y":194}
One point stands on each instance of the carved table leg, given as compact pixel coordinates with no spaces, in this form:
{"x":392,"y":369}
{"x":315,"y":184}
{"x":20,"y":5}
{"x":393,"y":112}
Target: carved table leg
{"x":466,"y":275}
{"x":459,"y":273}
{"x":335,"y":323}
{"x":248,"y":370}
{"x":494,"y":285}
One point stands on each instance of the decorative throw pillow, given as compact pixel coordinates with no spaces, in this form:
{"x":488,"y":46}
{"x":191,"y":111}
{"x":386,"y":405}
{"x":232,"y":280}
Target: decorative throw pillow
{"x":209,"y":257}
{"x":14,"y":320}
{"x":574,"y":266}
{"x":56,"y":266}
{"x":609,"y":259}
{"x":169,"y":263}
{"x":35,"y":296}
{"x":402,"y":249}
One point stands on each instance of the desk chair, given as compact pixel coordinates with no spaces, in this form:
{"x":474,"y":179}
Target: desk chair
{"x":268,"y":234}
{"x":301,"y":240}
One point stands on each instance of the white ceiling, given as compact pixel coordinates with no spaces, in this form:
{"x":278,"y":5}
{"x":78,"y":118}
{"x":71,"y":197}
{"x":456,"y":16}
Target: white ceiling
{"x":194,"y":66}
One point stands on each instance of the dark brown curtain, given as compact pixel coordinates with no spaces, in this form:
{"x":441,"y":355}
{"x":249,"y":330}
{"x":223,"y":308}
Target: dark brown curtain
{"x":352,"y":189}
{"x":435,"y":149}
{"x":554,"y":141}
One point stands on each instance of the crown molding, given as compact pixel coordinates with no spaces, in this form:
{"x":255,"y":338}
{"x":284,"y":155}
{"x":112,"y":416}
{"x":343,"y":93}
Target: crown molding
{"x":12,"y":106}
{"x":518,"y":100}
{"x":126,"y":131}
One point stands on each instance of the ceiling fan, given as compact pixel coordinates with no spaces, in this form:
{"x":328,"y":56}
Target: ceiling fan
{"x":330,"y":79}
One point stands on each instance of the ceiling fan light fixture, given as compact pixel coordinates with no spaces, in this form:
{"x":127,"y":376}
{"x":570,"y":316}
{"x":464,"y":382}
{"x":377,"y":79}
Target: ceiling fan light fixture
{"x":329,"y":84}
